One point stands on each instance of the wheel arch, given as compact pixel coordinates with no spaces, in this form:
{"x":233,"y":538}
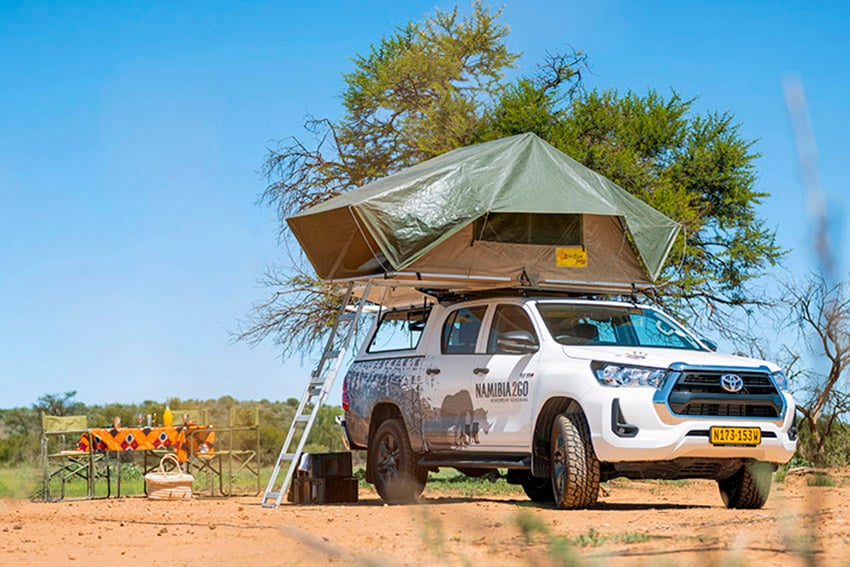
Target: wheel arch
{"x":553,"y":407}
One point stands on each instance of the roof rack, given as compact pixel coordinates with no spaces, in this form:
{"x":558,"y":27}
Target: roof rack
{"x":408,"y":288}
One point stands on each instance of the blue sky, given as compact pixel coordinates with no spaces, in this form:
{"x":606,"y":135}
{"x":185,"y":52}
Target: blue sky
{"x":132,"y":135}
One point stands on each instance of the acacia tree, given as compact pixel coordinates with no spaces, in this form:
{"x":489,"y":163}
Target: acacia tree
{"x":821,"y":313}
{"x":438,"y":85}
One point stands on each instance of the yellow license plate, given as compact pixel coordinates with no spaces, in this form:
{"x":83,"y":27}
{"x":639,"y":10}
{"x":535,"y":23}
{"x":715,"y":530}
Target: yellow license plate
{"x":735,"y":435}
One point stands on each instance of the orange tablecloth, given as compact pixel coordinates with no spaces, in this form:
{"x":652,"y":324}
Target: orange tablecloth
{"x":199,"y":439}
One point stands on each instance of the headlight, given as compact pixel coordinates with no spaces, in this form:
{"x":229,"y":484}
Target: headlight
{"x":781,"y":379}
{"x":617,"y":375}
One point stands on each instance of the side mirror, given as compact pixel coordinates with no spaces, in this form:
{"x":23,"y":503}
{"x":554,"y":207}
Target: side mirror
{"x":517,"y":342}
{"x":712,"y":346}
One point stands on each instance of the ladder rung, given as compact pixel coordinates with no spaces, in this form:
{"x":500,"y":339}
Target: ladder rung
{"x":301,"y":418}
{"x":288,"y":457}
{"x":347,"y":316}
{"x":331,"y":353}
{"x":271,"y":496}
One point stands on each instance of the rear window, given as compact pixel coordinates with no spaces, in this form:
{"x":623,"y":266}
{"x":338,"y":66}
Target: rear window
{"x":399,"y":330}
{"x":460,"y":331}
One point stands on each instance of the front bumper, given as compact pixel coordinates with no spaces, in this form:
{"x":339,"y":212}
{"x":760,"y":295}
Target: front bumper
{"x":627,"y":425}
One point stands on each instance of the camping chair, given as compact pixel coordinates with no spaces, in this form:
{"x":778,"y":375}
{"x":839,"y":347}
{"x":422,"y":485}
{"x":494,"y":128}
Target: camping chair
{"x":236,"y":454}
{"x":243,"y":448}
{"x":197,"y":416}
{"x":63,"y":463}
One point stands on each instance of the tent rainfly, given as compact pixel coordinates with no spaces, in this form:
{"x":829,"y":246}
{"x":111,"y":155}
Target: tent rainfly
{"x":512,"y":212}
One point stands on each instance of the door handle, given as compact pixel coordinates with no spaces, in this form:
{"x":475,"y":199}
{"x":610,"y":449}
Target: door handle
{"x":432,"y":371}
{"x":480,"y":371}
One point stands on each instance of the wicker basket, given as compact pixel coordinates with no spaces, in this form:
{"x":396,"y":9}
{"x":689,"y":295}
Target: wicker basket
{"x":169,"y":485}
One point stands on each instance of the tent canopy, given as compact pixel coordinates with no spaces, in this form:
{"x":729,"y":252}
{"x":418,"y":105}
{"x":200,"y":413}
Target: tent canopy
{"x":515,"y":211}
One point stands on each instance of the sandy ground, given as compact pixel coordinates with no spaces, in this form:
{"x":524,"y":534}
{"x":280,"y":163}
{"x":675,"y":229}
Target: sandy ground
{"x":636,"y":523}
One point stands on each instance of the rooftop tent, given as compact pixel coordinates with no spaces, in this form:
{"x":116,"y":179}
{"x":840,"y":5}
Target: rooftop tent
{"x":511,"y":212}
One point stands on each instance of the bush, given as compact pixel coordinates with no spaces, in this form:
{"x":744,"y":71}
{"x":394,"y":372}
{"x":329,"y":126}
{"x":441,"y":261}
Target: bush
{"x":836,"y":450}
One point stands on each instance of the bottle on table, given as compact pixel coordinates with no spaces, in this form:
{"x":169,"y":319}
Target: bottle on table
{"x":167,"y":417}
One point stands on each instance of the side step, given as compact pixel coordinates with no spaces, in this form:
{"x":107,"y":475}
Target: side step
{"x":476,"y":461}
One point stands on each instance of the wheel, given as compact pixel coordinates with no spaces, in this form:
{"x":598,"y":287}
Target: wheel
{"x":398,"y":479}
{"x":574,"y":467}
{"x":748,"y":488}
{"x":536,"y":488}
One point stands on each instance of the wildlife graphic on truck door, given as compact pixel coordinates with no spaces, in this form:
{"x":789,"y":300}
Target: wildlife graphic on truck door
{"x":451,"y":421}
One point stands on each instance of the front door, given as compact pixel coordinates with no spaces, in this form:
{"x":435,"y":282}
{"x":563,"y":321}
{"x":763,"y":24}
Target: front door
{"x":503,"y":387}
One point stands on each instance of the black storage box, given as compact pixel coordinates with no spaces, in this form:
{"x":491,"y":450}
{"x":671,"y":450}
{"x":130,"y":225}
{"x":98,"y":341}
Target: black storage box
{"x":330,"y":465}
{"x":323,"y":490}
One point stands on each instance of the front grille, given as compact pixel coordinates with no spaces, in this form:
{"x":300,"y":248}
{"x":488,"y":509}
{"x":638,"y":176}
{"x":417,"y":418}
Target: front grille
{"x":698,"y":393}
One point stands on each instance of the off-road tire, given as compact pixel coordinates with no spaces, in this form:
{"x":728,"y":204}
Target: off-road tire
{"x":574,"y":466}
{"x":536,"y":488}
{"x":398,"y":479}
{"x":748,"y":488}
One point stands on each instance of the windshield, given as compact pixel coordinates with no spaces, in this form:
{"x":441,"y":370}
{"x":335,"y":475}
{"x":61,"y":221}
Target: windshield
{"x":577,"y":324}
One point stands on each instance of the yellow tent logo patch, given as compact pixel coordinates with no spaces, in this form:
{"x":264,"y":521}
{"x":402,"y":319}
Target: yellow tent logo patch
{"x":572,"y":257}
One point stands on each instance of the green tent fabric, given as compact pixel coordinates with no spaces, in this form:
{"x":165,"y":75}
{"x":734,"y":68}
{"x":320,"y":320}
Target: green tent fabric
{"x":433,"y":216}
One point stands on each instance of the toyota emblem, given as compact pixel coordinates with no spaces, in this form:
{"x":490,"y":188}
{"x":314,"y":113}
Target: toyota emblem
{"x":732,"y":383}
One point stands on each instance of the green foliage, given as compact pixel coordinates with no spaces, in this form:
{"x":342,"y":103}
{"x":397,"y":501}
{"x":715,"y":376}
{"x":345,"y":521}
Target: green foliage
{"x":530,"y":524}
{"x":58,"y":404}
{"x":19,"y":448}
{"x":835,"y":449}
{"x":561,"y":553}
{"x":450,"y":480}
{"x":590,"y":539}
{"x":820,"y":479}
{"x":19,"y":420}
{"x":19,"y":481}
{"x":420,"y":92}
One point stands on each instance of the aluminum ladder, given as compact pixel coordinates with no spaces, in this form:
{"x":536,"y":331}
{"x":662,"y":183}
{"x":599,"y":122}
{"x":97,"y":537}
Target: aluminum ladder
{"x":318,"y":387}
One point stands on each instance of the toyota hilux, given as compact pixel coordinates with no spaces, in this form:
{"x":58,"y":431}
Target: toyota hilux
{"x":562,"y":393}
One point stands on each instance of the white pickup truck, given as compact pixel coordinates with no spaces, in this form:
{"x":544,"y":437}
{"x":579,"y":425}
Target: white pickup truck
{"x":564,"y":393}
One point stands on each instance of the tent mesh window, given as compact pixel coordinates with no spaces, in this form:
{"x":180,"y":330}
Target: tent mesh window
{"x":531,"y":228}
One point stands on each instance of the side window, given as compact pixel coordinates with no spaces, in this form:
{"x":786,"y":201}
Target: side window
{"x":460,"y":331}
{"x":508,"y":318}
{"x":399,"y":330}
